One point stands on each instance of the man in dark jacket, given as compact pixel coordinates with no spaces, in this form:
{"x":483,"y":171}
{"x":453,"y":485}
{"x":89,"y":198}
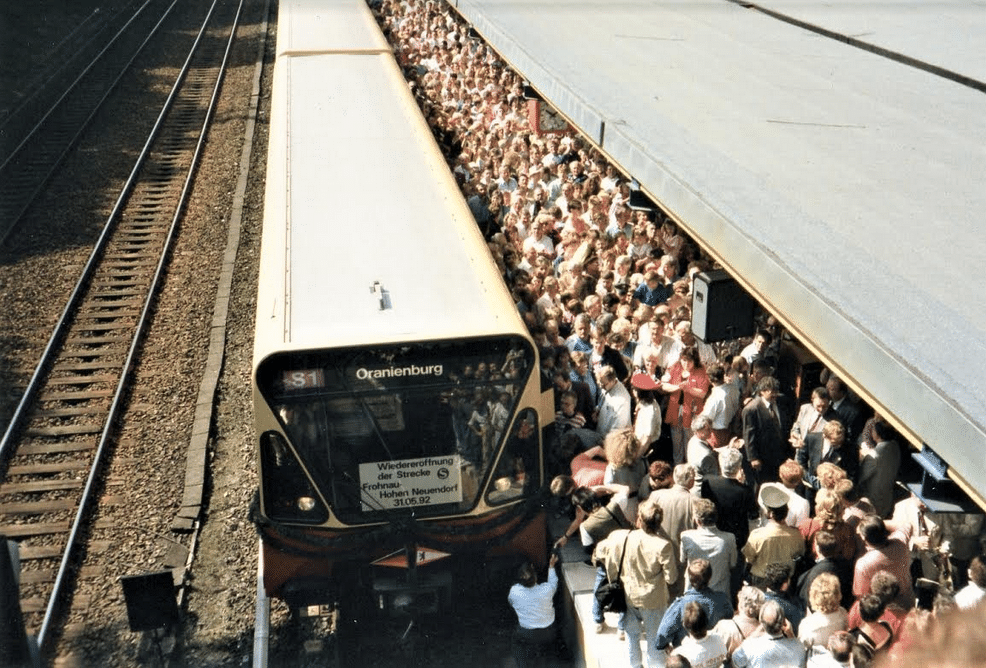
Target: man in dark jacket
{"x":767,"y":446}
{"x":825,"y":548}
{"x":733,"y":497}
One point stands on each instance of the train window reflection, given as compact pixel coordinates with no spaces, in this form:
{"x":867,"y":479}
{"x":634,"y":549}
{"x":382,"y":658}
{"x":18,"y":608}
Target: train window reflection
{"x":518,"y":470}
{"x":381,"y":432}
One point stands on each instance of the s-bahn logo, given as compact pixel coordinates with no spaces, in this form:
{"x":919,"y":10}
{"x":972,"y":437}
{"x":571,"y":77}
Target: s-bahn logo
{"x":400,"y":371}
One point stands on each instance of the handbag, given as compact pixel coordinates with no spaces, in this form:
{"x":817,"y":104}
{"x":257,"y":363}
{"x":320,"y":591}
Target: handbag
{"x":611,"y":595}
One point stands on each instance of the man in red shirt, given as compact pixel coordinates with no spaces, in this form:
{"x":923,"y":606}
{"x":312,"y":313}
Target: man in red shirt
{"x":885,"y":551}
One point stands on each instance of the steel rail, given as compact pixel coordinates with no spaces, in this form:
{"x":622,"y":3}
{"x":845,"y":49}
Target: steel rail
{"x":8,"y":441}
{"x":138,"y":194}
{"x":75,"y":82}
{"x":9,"y":225}
{"x":120,"y":392}
{"x":38,"y":83}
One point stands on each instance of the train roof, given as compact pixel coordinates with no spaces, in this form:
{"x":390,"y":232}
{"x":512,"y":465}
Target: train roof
{"x":830,"y":155}
{"x":358,"y":195}
{"x":312,"y":27}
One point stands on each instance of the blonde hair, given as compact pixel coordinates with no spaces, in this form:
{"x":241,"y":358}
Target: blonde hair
{"x":790,"y":473}
{"x":825,"y":593}
{"x":828,"y":508}
{"x":829,"y":474}
{"x":621,"y":447}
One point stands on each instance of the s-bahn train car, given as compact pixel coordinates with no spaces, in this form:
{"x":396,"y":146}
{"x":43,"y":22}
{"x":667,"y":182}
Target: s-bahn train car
{"x":400,"y":417}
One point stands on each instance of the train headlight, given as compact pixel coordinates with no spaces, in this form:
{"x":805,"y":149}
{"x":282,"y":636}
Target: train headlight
{"x":306,"y":504}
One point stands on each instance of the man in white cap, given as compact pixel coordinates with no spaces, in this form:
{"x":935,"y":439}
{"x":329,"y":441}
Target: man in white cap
{"x":775,"y":542}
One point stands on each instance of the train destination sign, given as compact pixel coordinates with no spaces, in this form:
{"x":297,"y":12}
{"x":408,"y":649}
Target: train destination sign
{"x":410,"y":483}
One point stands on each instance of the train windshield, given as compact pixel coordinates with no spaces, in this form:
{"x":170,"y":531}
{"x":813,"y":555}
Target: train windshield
{"x":406,"y":429}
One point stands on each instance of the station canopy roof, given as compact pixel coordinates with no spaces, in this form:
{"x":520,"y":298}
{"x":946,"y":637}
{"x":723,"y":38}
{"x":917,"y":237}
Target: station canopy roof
{"x":831,"y":155}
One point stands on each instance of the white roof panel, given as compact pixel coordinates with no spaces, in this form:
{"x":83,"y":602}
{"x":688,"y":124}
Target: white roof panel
{"x":354,"y":130}
{"x":317,"y":26}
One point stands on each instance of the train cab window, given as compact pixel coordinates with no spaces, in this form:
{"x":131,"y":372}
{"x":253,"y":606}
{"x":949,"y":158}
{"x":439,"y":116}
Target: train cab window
{"x":405,"y":429}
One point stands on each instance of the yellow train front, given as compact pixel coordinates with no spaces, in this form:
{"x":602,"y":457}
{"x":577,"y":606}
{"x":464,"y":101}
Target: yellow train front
{"x":400,"y":417}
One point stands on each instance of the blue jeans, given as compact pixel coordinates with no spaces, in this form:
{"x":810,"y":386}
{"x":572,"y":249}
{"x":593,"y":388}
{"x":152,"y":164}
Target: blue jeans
{"x":597,"y":610}
{"x":637,"y":619}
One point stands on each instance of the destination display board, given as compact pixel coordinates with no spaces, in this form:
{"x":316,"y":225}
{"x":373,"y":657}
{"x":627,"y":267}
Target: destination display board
{"x":410,"y":483}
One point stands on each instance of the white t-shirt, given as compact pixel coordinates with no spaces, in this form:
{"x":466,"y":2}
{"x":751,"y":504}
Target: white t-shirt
{"x":709,"y":652}
{"x":969,"y":596}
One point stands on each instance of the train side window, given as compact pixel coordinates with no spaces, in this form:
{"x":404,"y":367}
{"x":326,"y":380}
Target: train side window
{"x":288,"y":494}
{"x":518,"y":471}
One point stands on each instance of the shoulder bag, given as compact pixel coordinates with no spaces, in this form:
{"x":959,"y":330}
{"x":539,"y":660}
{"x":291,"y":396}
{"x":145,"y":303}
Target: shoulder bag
{"x":611,"y":595}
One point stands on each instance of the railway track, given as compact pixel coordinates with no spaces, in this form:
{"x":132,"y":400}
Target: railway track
{"x":45,"y":126}
{"x":62,"y":431}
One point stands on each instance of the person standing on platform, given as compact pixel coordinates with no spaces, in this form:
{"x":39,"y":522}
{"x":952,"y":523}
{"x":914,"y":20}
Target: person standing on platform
{"x":652,"y":290}
{"x":734,"y":630}
{"x":849,"y":411}
{"x":581,"y":337}
{"x":613,"y":411}
{"x":734,"y":499}
{"x":775,"y":542}
{"x":686,"y":383}
{"x":659,"y":476}
{"x":885,"y":551}
{"x":777,"y":587}
{"x":598,"y":522}
{"x":836,"y":654}
{"x":648,"y":420}
{"x":878,"y":467}
{"x":798,"y":508}
{"x":975,"y":591}
{"x":625,"y":465}
{"x":812,"y":417}
{"x":701,"y":648}
{"x":676,"y":505}
{"x":683,"y":338}
{"x":773,"y":648}
{"x":717,"y":606}
{"x":827,"y":614}
{"x":656,"y":343}
{"x":584,"y":404}
{"x":700,"y":454}
{"x":721,"y":405}
{"x":649,"y":564}
{"x":605,"y":355}
{"x":825,"y":548}
{"x":765,"y":445}
{"x":828,"y":446}
{"x":582,"y":372}
{"x":706,"y":541}
{"x":757,"y":349}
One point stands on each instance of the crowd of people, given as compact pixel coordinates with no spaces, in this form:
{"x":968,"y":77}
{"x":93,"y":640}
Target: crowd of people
{"x":748,"y":531}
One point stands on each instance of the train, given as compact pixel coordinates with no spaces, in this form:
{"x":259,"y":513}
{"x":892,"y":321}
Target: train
{"x":400,"y":415}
